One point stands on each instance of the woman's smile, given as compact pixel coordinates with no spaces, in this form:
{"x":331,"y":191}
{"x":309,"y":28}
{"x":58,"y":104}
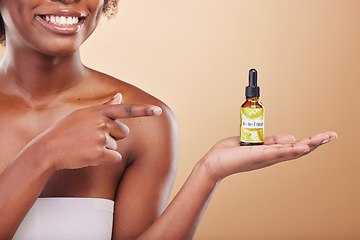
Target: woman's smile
{"x":52,"y":27}
{"x":62,"y":22}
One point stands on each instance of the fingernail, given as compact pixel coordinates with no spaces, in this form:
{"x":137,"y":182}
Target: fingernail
{"x":307,"y":150}
{"x":157,"y":111}
{"x":325,"y":141}
{"x":116,"y":95}
{"x":333,"y":137}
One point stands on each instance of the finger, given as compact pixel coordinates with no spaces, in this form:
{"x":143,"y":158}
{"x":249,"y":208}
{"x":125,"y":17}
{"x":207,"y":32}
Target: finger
{"x":256,"y":157}
{"x":112,"y":156}
{"x":117,"y":130}
{"x":286,"y":151}
{"x":301,"y":148}
{"x":332,"y":135}
{"x":269,"y":155}
{"x":319,"y":139}
{"x":119,"y":111}
{"x":110,"y":143}
{"x":115,"y":100}
{"x":279,"y":139}
{"x":270,"y":140}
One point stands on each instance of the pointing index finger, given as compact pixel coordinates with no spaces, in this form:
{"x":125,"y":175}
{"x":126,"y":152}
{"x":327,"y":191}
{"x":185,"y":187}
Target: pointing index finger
{"x":118,"y":111}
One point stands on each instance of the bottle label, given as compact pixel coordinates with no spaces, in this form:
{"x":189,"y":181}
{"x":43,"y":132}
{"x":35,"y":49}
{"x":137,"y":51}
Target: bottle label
{"x":252,"y":125}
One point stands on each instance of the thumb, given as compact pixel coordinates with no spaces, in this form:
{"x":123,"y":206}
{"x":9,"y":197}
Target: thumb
{"x":115,"y":100}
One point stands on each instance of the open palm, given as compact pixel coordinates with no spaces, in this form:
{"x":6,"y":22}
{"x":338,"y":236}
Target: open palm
{"x":227,"y":157}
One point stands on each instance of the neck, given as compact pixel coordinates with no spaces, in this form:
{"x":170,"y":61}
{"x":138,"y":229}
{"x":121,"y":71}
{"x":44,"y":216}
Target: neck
{"x":32,"y":75}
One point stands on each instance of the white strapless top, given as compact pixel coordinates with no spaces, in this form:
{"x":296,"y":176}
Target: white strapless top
{"x":68,"y":219}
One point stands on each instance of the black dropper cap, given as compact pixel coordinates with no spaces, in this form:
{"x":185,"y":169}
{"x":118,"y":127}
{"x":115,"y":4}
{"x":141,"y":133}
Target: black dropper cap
{"x":252,"y":90}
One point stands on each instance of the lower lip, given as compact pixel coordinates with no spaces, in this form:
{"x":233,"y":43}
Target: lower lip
{"x":66,"y":30}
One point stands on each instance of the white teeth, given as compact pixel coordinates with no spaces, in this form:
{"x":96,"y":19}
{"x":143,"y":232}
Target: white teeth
{"x":61,"y":20}
{"x":69,"y":21}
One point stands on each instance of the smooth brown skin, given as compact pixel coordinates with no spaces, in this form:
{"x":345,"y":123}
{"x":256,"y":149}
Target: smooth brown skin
{"x":59,"y":139}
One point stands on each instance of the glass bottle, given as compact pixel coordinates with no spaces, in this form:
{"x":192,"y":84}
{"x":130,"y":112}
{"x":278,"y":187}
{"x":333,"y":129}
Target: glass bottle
{"x":252,"y":114}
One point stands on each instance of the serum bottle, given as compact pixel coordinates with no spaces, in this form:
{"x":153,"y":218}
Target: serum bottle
{"x":252,"y":114}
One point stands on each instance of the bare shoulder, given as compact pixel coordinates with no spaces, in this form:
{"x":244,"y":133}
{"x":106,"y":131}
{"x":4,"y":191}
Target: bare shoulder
{"x":106,"y":86}
{"x":151,"y":134}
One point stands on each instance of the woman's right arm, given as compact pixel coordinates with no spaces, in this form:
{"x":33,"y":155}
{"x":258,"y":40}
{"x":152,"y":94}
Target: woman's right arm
{"x":20,"y":185}
{"x":86,"y":137}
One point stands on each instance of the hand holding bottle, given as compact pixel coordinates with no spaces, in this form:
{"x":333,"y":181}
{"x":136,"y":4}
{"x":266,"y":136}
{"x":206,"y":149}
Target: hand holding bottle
{"x":227,"y":157}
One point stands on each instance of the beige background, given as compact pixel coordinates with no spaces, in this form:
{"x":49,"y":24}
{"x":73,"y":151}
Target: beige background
{"x":195,"y":55}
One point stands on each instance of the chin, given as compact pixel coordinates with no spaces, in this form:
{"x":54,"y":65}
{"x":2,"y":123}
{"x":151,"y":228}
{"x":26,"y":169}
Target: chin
{"x":59,"y":48}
